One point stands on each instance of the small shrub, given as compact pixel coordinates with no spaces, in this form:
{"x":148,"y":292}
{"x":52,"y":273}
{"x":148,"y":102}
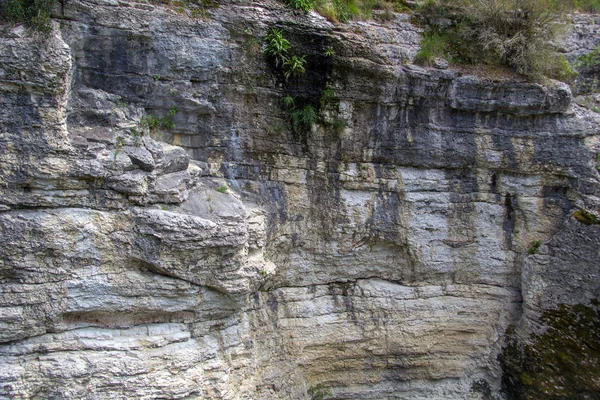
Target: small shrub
{"x":587,"y":6}
{"x":252,"y":46}
{"x":304,"y":119}
{"x":169,"y":121}
{"x":277,"y":46}
{"x":200,"y":13}
{"x":590,"y":59}
{"x":346,"y":10}
{"x":302,"y":5}
{"x":585,"y":217}
{"x":288,"y":102}
{"x":327,"y":10}
{"x":560,"y":69}
{"x":499,"y":32}
{"x":534,"y":246}
{"x":136,"y":136}
{"x":119,"y":143}
{"x":151,"y":122}
{"x":35,"y":13}
{"x":327,"y":96}
{"x":294,"y":67}
{"x":329,"y":52}
{"x":156,"y":77}
{"x":387,"y":15}
{"x":338,"y":126}
{"x":320,"y":392}
{"x":402,"y":6}
{"x":221,"y":189}
{"x":433,"y":45}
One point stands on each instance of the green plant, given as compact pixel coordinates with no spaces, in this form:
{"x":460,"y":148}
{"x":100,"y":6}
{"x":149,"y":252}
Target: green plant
{"x":277,"y":46}
{"x":515,"y":33}
{"x":346,"y":10}
{"x":433,"y":45}
{"x":560,"y":69}
{"x":320,"y":392}
{"x":303,"y":119}
{"x":327,"y":96}
{"x":169,"y":121}
{"x":302,"y":5}
{"x":329,"y":52}
{"x":119,"y":143}
{"x":585,"y":217}
{"x":151,"y":122}
{"x":294,"y":66}
{"x":221,"y":189}
{"x":534,"y":246}
{"x":156,"y":77}
{"x":288,"y":102}
{"x":338,"y":10}
{"x":587,"y":6}
{"x":262,"y":272}
{"x":402,"y":6}
{"x":388,"y":12}
{"x":589,"y":59}
{"x":252,"y":45}
{"x":338,"y":125}
{"x":200,"y":13}
{"x":35,"y":13}
{"x":136,"y":136}
{"x":199,"y":8}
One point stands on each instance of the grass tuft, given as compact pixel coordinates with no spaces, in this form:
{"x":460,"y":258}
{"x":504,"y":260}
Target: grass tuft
{"x":221,"y":189}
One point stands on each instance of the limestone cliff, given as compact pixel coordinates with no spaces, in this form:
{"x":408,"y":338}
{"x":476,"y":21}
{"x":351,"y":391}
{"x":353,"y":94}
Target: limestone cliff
{"x":381,"y":252}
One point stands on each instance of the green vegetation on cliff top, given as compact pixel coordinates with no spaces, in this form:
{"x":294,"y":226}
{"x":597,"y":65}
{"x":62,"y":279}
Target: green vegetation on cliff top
{"x":35,"y":13}
{"x":515,"y":33}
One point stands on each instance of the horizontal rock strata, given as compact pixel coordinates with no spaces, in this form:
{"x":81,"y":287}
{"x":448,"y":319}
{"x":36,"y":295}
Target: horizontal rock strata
{"x":380,"y":252}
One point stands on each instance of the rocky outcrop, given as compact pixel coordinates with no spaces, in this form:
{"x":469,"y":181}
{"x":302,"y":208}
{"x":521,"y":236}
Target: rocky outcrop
{"x":167,"y":234}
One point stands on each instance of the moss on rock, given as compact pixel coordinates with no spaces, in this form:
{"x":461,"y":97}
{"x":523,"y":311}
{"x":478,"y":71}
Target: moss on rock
{"x":561,"y":363}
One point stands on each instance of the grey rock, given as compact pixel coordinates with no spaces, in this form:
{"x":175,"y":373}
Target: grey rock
{"x":383,"y":253}
{"x":131,"y":183}
{"x":171,"y":188}
{"x":154,"y":148}
{"x":441,"y":63}
{"x":174,"y":159}
{"x":140,"y":157}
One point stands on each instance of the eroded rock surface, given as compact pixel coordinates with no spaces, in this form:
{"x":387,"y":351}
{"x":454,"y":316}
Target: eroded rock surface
{"x":381,"y":252}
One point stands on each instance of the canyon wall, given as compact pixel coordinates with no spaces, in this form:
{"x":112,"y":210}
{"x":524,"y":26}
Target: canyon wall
{"x":381,"y":252}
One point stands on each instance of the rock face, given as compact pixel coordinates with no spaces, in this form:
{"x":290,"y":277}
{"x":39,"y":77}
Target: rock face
{"x":214,"y":252}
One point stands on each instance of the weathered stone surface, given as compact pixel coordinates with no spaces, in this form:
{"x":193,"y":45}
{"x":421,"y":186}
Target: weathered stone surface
{"x":140,"y":157}
{"x":174,"y":159}
{"x":382,"y":253}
